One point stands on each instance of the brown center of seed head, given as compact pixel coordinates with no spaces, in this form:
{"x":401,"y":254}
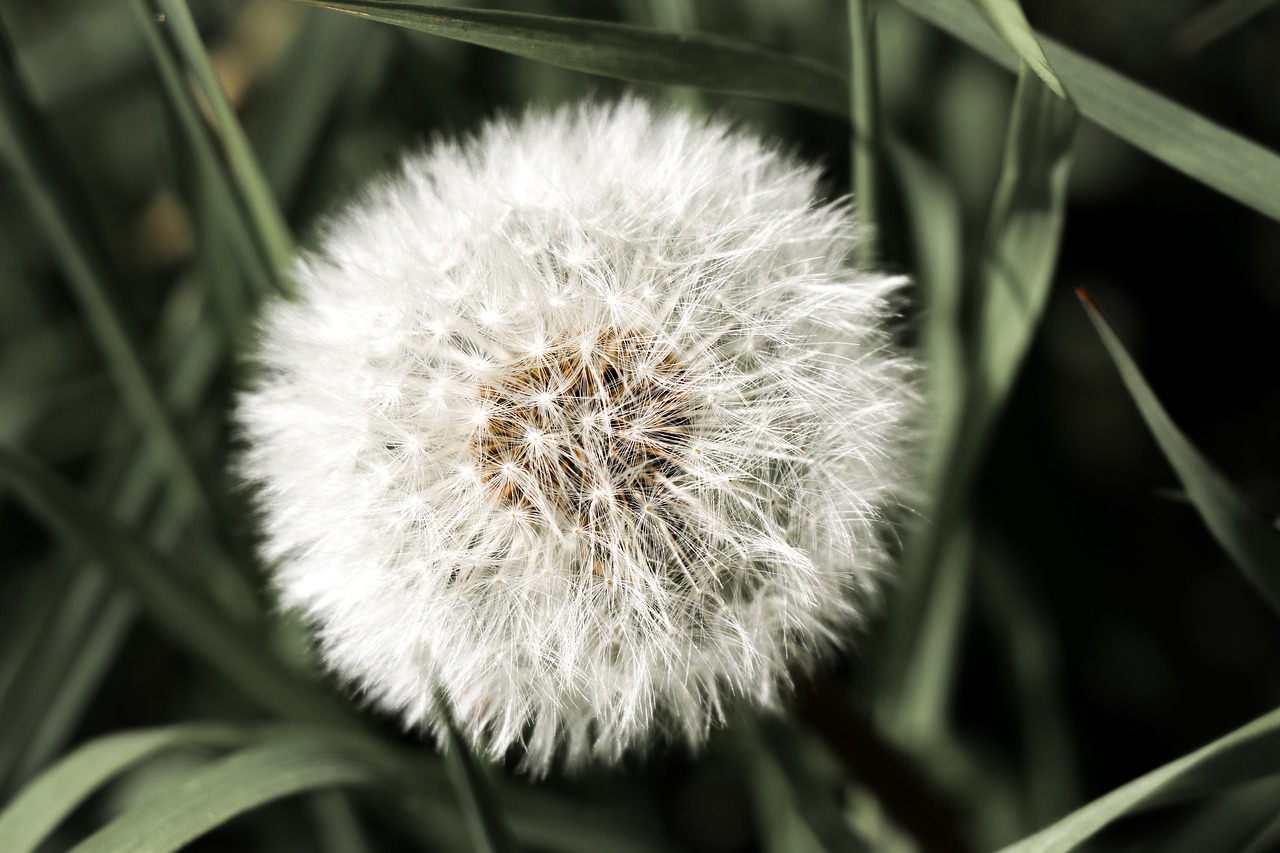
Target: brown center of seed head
{"x":586,"y":432}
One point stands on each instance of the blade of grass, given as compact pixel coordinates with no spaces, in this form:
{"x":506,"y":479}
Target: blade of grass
{"x":61,"y":673}
{"x":1008,"y":19}
{"x":78,"y":678}
{"x":924,"y":706}
{"x":1048,"y":782}
{"x":1020,"y":249}
{"x":251,"y":187}
{"x":937,"y":232}
{"x":1267,"y":838}
{"x":60,"y":206}
{"x":254,"y":255}
{"x":782,"y":827}
{"x":185,"y":616}
{"x":1228,"y":822}
{"x":797,"y":786}
{"x":1190,"y":143}
{"x":1247,"y":753}
{"x":488,"y":831}
{"x":330,"y":55}
{"x":1014,"y":273}
{"x":864,"y":111}
{"x":1208,"y":25}
{"x":1250,"y":539}
{"x":336,"y":824}
{"x":29,"y":818}
{"x":245,"y":780}
{"x":620,"y":50}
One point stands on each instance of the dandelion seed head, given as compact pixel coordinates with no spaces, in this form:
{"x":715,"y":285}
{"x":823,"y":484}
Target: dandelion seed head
{"x":585,"y":425}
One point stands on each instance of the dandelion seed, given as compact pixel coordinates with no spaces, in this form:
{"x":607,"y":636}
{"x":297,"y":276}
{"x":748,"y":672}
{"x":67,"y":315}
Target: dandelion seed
{"x":626,"y":347}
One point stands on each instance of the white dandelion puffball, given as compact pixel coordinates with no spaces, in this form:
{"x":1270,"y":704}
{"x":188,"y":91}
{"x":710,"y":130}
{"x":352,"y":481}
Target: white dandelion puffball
{"x":584,"y":426}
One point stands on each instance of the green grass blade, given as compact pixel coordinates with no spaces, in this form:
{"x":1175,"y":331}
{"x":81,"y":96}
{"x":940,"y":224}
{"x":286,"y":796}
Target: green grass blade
{"x":1011,"y":23}
{"x":236,"y":213}
{"x":936,"y":225}
{"x":620,"y":50}
{"x":77,"y":681}
{"x":330,"y":57}
{"x":864,"y":111}
{"x":1228,"y":822}
{"x":1267,"y":838}
{"x":38,"y":809}
{"x":59,"y":205}
{"x":1247,"y":753}
{"x":1048,"y":784}
{"x":796,"y":785}
{"x":1208,"y":25}
{"x":170,"y":602}
{"x":256,"y":196}
{"x":782,"y":827}
{"x":1190,"y":143}
{"x":243,"y":781}
{"x":920,"y":715}
{"x":1020,"y":249}
{"x":1014,"y":274}
{"x":488,"y":831}
{"x":1243,"y":532}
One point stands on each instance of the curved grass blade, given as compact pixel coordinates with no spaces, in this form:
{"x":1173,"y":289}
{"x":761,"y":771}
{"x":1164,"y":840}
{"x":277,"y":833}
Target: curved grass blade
{"x":1208,"y":25}
{"x":58,"y":204}
{"x":1015,"y":270}
{"x":1243,"y":532}
{"x":1247,"y":753}
{"x":489,"y":834}
{"x":1175,"y":135}
{"x":243,"y":781}
{"x":624,"y":51}
{"x":55,"y":708}
{"x":937,"y":231}
{"x":1048,"y":784}
{"x":333,"y":61}
{"x":258,"y":252}
{"x":1228,"y":822}
{"x":796,"y":786}
{"x":171,"y":603}
{"x":1020,"y":249}
{"x":255,"y":194}
{"x":42,"y":805}
{"x":1011,"y":23}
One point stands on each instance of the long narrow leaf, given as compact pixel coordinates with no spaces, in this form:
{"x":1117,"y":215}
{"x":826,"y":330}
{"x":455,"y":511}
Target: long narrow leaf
{"x":488,"y":831}
{"x":1019,"y":255}
{"x":1021,"y":246}
{"x":59,"y":205}
{"x":624,"y":51}
{"x":1220,"y":19}
{"x":333,"y":60}
{"x":1173,"y":134}
{"x":252,"y":251}
{"x":170,"y":602}
{"x":1247,"y":753}
{"x":255,"y":194}
{"x":42,"y":805}
{"x":241,"y":782}
{"x":1242,"y":531}
{"x":1011,"y":23}
{"x":864,"y":112}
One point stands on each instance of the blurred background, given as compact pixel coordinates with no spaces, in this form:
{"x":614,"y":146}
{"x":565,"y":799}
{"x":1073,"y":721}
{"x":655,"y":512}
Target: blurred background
{"x":1106,"y":633}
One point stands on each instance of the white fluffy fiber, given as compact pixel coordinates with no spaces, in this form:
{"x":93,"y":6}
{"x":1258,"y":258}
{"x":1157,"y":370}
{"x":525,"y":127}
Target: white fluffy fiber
{"x":585,"y":424}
